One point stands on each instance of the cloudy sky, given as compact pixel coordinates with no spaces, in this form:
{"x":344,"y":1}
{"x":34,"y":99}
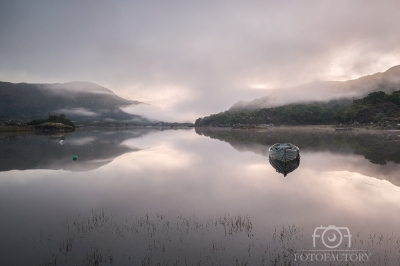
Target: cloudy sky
{"x":193,"y":58}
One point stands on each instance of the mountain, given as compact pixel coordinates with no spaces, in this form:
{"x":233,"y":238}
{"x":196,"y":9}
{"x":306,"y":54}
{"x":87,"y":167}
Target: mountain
{"x":319,"y":91}
{"x":77,"y":100}
{"x":377,"y":107}
{"x":380,"y":109}
{"x":315,"y":113}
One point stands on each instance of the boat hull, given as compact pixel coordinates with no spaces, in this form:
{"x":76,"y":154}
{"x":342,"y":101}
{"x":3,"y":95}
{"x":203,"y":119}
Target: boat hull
{"x":284,"y":157}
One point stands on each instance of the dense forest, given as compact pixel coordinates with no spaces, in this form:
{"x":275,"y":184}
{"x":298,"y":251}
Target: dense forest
{"x":54,"y":119}
{"x":377,"y":107}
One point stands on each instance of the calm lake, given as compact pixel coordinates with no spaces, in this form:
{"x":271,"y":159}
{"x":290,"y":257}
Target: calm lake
{"x":199,"y":197}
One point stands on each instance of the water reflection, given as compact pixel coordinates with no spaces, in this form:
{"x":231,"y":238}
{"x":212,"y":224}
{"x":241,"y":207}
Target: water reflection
{"x":379,"y":147}
{"x":185,"y":198}
{"x":284,"y":167}
{"x":326,"y":149}
{"x":94,"y":149}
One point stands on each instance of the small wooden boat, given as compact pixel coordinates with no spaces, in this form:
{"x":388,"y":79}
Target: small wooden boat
{"x":284,"y":152}
{"x":343,"y":128}
{"x":284,"y":157}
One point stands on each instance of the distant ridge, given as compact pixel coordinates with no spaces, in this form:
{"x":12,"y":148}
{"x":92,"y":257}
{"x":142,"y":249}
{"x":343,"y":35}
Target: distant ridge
{"x":78,"y":100}
{"x":320,"y":91}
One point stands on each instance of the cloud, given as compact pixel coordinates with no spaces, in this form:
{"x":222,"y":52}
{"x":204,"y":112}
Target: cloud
{"x":153,"y":112}
{"x":216,"y":51}
{"x":77,"y":111}
{"x":80,"y":141}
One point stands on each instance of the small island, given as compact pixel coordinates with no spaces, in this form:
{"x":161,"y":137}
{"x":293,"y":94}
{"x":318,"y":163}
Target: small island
{"x":51,"y":123}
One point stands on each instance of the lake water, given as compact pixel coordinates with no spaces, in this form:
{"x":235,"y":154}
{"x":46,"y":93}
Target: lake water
{"x":199,"y":197}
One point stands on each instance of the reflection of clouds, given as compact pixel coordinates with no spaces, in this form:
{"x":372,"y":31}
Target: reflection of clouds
{"x":80,"y":141}
{"x":159,"y":152}
{"x":362,"y":180}
{"x":162,"y":158}
{"x":327,"y":161}
{"x":336,"y":160}
{"x":101,"y":161}
{"x":180,"y":172}
{"x":154,"y":138}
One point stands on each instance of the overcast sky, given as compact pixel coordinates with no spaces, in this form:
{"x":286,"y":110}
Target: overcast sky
{"x":193,"y":58}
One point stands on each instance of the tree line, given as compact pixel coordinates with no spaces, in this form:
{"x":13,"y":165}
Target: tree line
{"x":373,"y":108}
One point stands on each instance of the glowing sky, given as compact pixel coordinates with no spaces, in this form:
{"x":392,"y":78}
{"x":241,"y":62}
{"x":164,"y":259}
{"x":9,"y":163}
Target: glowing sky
{"x":193,"y":58}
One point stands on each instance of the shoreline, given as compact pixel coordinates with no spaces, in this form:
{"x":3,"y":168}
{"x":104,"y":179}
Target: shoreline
{"x":32,"y":129}
{"x":4,"y":128}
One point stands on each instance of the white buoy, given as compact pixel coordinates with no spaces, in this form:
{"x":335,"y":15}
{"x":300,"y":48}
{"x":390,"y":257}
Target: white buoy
{"x":61,"y":142}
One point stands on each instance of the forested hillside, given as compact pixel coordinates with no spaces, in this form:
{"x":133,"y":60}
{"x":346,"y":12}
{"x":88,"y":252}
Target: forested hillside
{"x":378,"y":108}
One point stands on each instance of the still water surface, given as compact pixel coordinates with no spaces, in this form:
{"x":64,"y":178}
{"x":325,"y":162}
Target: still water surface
{"x":197,"y":197}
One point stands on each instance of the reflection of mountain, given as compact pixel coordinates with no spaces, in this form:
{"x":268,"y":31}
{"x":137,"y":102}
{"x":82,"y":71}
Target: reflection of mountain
{"x":381,"y":148}
{"x":378,"y":147}
{"x":93,"y":148}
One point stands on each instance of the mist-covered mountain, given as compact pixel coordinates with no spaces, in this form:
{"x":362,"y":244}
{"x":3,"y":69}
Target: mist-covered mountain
{"x":77,"y":100}
{"x":320,"y":91}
